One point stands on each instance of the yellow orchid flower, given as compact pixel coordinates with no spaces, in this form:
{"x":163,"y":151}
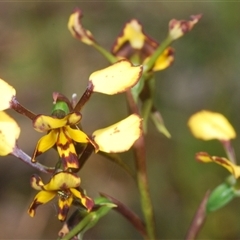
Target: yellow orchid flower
{"x":9,"y":133}
{"x":133,"y":42}
{"x":224,"y":162}
{"x":64,"y":185}
{"x":208,"y":125}
{"x":64,"y":133}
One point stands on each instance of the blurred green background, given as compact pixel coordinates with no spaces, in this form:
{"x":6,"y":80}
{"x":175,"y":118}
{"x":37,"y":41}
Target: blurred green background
{"x":39,"y":56}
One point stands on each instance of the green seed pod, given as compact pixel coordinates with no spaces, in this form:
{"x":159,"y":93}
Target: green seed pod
{"x":60,"y":109}
{"x":220,"y":196}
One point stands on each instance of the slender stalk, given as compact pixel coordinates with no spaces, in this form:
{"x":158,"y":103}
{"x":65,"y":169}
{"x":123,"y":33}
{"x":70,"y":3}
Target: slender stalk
{"x":229,"y":150}
{"x":199,"y":219}
{"x":149,"y":65}
{"x":22,"y":110}
{"x":17,"y":152}
{"x":128,"y":214}
{"x":142,"y":179}
{"x":85,"y":97}
{"x":111,"y":58}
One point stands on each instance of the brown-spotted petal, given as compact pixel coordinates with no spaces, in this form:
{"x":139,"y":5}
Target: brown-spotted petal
{"x":62,"y":181}
{"x":41,"y":198}
{"x":224,"y":162}
{"x":44,"y":123}
{"x":9,"y":133}
{"x":119,"y":137}
{"x":45,"y":143}
{"x":63,"y":207}
{"x":66,"y":150}
{"x":116,"y":78}
{"x":87,"y":202}
{"x":36,"y":182}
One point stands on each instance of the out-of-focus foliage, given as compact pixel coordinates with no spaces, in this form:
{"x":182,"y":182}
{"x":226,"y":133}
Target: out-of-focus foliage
{"x":38,"y":56}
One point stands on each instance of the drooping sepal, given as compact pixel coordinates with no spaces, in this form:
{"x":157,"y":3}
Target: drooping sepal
{"x":77,"y":30}
{"x":207,"y":125}
{"x":9,"y":133}
{"x":119,"y":137}
{"x":116,"y":78}
{"x":7,"y":93}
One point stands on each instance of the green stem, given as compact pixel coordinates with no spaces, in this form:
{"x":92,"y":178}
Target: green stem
{"x":111,"y":58}
{"x":147,"y":208}
{"x":149,"y":65}
{"x":79,"y":227}
{"x":142,"y":179}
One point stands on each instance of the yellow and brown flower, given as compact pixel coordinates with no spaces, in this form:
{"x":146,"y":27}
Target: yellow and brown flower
{"x":133,"y":44}
{"x":65,"y":186}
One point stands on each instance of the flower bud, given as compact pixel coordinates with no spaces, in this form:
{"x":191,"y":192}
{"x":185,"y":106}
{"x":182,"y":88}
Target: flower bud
{"x":177,"y":28}
{"x":9,"y":133}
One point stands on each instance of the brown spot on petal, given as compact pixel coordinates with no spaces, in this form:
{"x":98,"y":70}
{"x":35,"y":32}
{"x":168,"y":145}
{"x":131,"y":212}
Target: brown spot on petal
{"x":62,"y":212}
{"x":70,"y":161}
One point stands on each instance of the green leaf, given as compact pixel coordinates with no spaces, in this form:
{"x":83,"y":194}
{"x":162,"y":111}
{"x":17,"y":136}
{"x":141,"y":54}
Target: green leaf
{"x":220,"y":196}
{"x":159,"y":123}
{"x":87,"y":220}
{"x":136,"y":90}
{"x":146,"y":110}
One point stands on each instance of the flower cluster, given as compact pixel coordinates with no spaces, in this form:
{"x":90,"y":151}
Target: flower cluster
{"x":135,"y":45}
{"x":64,"y":133}
{"x":207,"y":125}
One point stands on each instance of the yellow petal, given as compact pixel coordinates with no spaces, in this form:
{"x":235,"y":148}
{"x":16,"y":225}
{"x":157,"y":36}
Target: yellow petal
{"x":133,"y":34}
{"x":132,"y":40}
{"x":164,"y":60}
{"x":120,"y":136}
{"x":36,"y":182}
{"x":86,"y":201}
{"x":41,"y":198}
{"x":177,"y":28}
{"x":66,"y":150}
{"x":43,"y":123}
{"x":45,"y":143}
{"x":208,"y":125}
{"x":117,"y":78}
{"x":77,"y":30}
{"x":7,"y":92}
{"x":62,"y":181}
{"x":64,"y":205}
{"x":77,"y":135}
{"x":9,"y":133}
{"x":232,"y":168}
